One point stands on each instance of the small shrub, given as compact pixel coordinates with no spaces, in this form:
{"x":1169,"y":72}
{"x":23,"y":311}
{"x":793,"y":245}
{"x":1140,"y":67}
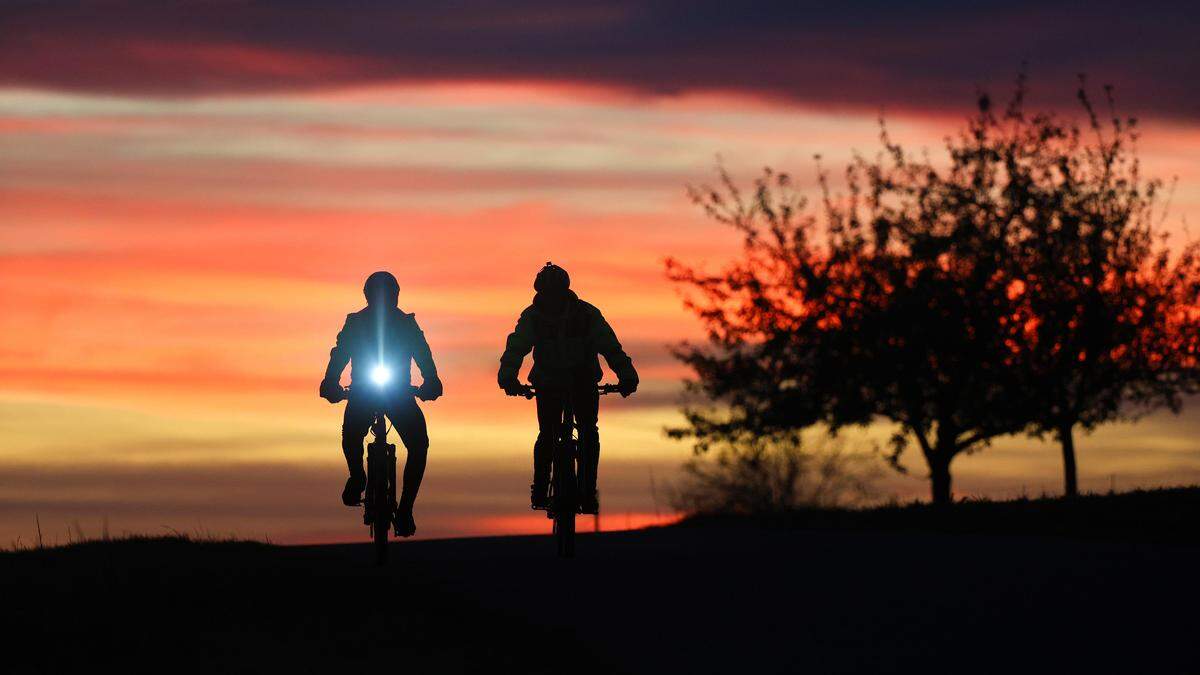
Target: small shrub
{"x":774,"y":474}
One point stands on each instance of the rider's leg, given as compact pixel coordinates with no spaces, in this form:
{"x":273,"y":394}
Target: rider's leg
{"x":355,"y":424}
{"x":587,"y":409}
{"x":549,"y":415}
{"x":410,"y":425}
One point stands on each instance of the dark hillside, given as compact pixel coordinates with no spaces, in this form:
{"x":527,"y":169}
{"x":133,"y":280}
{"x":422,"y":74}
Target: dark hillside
{"x":1168,"y":515}
{"x":183,"y":606}
{"x":990,"y":588}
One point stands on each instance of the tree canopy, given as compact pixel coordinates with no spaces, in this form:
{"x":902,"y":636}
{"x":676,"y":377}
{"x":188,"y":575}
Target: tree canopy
{"x":1019,"y":285}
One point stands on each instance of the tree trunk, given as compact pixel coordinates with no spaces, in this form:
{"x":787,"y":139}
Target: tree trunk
{"x":1070,"y":478}
{"x":939,"y":476}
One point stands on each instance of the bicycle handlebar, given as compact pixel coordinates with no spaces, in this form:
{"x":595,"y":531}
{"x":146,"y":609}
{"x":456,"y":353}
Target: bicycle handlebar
{"x":412,"y":389}
{"x":346,"y":391}
{"x":528,"y":391}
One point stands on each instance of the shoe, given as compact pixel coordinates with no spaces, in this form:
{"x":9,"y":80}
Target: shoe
{"x":538,"y":497}
{"x":590,"y":503}
{"x":352,"y":493}
{"x":405,"y":526}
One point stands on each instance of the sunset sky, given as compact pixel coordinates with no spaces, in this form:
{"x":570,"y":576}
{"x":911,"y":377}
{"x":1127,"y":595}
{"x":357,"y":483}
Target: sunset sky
{"x":191,"y":194}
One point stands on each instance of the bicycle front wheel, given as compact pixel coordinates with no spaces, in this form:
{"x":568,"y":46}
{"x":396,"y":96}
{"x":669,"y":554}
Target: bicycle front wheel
{"x":379,"y":530}
{"x":566,"y":500}
{"x":378,"y":502}
{"x":564,"y":531}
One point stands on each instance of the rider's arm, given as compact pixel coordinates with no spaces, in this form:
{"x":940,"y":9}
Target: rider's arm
{"x":423,"y":357}
{"x":519,"y":343}
{"x":606,"y":343}
{"x":339,"y":356}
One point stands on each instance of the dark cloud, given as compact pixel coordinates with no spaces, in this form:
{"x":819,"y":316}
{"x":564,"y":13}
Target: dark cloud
{"x":897,"y":54}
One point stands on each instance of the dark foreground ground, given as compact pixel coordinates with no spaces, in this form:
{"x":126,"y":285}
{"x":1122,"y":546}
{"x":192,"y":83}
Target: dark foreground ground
{"x":807,"y":595}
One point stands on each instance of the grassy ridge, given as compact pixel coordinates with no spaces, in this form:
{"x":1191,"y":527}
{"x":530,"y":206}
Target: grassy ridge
{"x":181,"y":605}
{"x":1167,"y":515}
{"x":719,"y":594}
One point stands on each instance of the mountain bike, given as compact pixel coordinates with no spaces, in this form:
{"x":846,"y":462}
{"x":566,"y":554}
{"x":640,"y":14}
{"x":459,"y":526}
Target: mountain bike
{"x":568,"y":474}
{"x":379,"y":501}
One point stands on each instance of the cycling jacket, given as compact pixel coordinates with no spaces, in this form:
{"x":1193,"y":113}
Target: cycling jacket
{"x":390,"y":337}
{"x":565,"y":344}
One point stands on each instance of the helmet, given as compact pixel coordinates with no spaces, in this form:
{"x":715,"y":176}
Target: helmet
{"x":551,"y":278}
{"x":382,"y":288}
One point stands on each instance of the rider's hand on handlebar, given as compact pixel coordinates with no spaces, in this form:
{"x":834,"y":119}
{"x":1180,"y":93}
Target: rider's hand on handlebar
{"x":627,"y":387}
{"x":331,"y":390}
{"x":513,"y":387}
{"x":430,"y":389}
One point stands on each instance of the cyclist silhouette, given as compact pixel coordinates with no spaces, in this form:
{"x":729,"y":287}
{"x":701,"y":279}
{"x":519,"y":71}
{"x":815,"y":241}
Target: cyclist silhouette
{"x":566,"y":335}
{"x":380,"y":343}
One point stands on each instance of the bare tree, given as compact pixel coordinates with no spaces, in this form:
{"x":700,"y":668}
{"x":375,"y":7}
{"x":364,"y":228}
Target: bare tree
{"x":943,"y":297}
{"x":1108,"y":307}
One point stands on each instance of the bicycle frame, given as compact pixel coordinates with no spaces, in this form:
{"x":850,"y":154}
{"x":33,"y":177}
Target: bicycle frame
{"x":379,"y":502}
{"x":568,"y":473}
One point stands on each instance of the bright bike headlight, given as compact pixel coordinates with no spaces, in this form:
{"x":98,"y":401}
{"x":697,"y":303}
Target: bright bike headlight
{"x":381,"y":375}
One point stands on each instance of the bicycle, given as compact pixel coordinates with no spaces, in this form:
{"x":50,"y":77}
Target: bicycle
{"x":379,"y":501}
{"x":568,"y":474}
